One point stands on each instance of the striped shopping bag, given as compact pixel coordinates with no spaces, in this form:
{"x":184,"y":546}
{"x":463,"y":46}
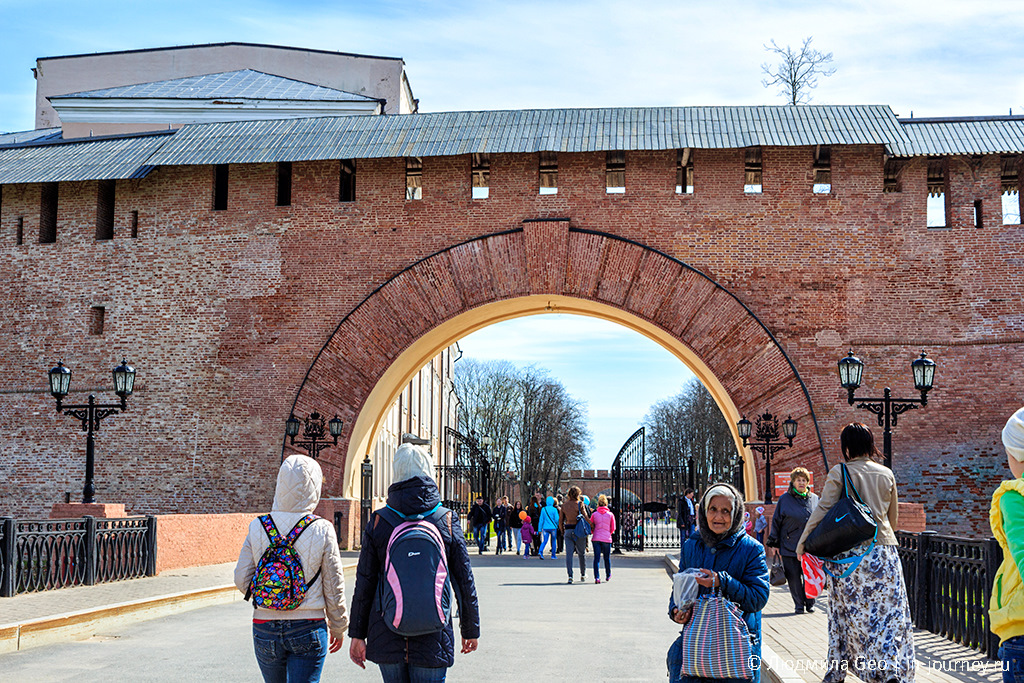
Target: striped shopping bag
{"x":716,"y":641}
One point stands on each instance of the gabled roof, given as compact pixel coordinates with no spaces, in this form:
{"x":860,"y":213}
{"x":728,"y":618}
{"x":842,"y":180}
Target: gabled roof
{"x":172,"y":48}
{"x":529,"y":130}
{"x":961,"y":135}
{"x":243,"y":84}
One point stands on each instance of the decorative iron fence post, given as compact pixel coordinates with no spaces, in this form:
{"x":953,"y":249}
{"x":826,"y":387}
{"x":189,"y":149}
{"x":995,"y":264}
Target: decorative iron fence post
{"x":993,"y":558}
{"x":922,"y":583}
{"x":7,"y":583}
{"x":90,"y":551}
{"x":150,"y":545}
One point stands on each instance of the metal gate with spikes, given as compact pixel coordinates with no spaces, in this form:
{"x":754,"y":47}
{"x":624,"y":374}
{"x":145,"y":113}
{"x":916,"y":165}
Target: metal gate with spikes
{"x":645,"y":498}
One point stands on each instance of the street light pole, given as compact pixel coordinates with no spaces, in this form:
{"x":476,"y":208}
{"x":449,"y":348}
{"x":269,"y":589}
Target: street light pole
{"x":887,"y":408}
{"x":764,"y":443}
{"x":91,"y":412}
{"x":314,"y":432}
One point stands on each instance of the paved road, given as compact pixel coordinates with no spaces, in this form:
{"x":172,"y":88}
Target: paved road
{"x":535,"y":627}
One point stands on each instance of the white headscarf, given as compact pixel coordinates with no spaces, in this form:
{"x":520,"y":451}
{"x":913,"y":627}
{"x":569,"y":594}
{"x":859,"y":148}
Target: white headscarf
{"x":1013,"y":436}
{"x":412,"y":461}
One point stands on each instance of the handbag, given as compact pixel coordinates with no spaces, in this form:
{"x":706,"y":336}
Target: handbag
{"x":716,"y":642}
{"x":846,"y":525}
{"x":582,"y":523}
{"x":777,"y":575}
{"x":814,"y":576}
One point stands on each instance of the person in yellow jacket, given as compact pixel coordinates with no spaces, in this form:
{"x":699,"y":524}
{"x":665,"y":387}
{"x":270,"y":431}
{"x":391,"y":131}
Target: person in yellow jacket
{"x":1006,"y":613}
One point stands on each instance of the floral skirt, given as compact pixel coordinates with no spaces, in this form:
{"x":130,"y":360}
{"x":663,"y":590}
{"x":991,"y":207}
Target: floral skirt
{"x":870,"y":633}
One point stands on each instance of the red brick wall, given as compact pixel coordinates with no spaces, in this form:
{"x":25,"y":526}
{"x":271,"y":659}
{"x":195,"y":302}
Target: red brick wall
{"x":224,"y":312}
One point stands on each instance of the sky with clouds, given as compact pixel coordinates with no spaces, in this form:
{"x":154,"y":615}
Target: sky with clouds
{"x":926,"y":57}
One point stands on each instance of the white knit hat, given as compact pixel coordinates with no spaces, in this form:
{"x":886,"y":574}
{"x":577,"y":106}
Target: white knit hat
{"x":412,"y":461}
{"x":1013,"y":436}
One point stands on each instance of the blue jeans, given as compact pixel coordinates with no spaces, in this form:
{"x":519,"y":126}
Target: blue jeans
{"x":602,"y":549}
{"x":410,"y":673}
{"x":519,"y":543}
{"x":545,"y":536}
{"x":501,"y":538}
{"x":480,"y":531}
{"x":1011,"y":653}
{"x":290,"y":651}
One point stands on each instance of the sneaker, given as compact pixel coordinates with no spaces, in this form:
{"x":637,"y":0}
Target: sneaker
{"x":541,"y":556}
{"x":608,"y":578}
{"x":583,"y":578}
{"x":597,"y":580}
{"x":570,"y":579}
{"x":810,"y":609}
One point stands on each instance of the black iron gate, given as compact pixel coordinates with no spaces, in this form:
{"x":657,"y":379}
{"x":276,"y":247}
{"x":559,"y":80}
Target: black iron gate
{"x":645,"y":498}
{"x":464,"y":474}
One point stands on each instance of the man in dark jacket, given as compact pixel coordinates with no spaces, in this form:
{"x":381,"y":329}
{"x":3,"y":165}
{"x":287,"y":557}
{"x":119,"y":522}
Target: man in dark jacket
{"x":788,"y":521}
{"x":479,"y":519}
{"x":500,"y":523}
{"x":415,"y":493}
{"x":686,"y":517}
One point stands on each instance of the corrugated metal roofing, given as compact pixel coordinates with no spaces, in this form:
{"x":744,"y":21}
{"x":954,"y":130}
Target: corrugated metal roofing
{"x":96,"y":159}
{"x":983,"y":135}
{"x":25,"y":136}
{"x":530,"y":130}
{"x":244,"y":84}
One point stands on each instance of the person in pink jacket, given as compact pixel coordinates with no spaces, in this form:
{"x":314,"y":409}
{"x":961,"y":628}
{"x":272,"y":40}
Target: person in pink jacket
{"x":603,"y":524}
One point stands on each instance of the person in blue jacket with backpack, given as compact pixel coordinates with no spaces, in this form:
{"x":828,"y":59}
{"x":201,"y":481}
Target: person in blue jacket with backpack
{"x":401,"y":657}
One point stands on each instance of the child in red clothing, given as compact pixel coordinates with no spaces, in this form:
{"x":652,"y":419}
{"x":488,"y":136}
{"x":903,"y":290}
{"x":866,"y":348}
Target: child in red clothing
{"x":527,"y":533}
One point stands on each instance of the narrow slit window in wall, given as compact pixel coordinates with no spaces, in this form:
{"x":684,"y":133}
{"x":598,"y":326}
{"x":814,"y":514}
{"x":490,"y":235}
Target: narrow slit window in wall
{"x":481,"y":175}
{"x":347,"y":181}
{"x":19,"y":236}
{"x":135,"y":224}
{"x":615,"y":172}
{"x":105,"y":210}
{"x":684,"y":171}
{"x":1011,"y":190}
{"x":936,"y":206}
{"x":822,"y":170}
{"x":220,"y":187}
{"x":48,"y":213}
{"x":413,"y":178}
{"x":284,"y":183}
{"x":96,"y":316}
{"x":752,"y":171}
{"x":891,"y":176}
{"x":979,"y":221}
{"x":549,"y":173}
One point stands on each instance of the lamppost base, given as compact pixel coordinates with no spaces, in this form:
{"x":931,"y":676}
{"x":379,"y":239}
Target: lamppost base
{"x":74,"y":510}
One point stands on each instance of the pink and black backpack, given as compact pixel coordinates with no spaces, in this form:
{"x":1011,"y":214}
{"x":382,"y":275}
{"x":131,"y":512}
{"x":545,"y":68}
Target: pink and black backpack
{"x":414,"y":592}
{"x":279,"y":582}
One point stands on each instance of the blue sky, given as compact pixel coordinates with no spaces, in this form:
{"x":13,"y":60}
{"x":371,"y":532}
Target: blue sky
{"x":929,"y":57}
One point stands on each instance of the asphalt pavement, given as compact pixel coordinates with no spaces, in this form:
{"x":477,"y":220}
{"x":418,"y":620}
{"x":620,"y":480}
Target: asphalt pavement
{"x":534,"y":627}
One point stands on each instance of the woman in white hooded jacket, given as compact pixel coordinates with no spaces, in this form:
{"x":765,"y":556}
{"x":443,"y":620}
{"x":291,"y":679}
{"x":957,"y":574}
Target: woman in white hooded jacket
{"x":291,"y":645}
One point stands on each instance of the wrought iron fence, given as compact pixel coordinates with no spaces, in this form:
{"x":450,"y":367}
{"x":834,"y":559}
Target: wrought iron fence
{"x":38,"y":555}
{"x":949,"y":582}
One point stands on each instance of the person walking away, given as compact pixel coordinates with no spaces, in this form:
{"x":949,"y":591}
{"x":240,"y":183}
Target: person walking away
{"x":560,"y":533}
{"x":548,"y":526}
{"x":575,"y":539}
{"x":730,"y":561}
{"x":500,"y":522}
{"x":515,"y":523}
{"x":479,"y":519}
{"x":1006,"y":516}
{"x":535,"y":510}
{"x":411,"y":658}
{"x":528,"y":535}
{"x":788,"y":521}
{"x":760,"y":524}
{"x":868,"y":614}
{"x":291,"y":643}
{"x":603,"y":524}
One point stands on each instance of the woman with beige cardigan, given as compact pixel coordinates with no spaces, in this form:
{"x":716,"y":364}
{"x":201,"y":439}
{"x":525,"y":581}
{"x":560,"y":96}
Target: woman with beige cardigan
{"x":870,"y":633}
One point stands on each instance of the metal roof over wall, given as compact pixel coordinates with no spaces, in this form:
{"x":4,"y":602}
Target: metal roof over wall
{"x":523,"y":131}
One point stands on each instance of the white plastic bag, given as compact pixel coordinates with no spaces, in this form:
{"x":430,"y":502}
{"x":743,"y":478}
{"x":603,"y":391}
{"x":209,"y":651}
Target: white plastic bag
{"x":684,"y":588}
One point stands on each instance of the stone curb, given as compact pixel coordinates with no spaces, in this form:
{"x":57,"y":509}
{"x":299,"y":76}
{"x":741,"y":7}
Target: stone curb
{"x":774,"y":668}
{"x":86,"y":623}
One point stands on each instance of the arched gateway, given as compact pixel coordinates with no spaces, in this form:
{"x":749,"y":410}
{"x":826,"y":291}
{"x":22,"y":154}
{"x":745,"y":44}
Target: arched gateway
{"x":548,"y":265}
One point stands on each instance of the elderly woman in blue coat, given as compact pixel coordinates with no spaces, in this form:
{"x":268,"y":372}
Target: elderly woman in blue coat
{"x":729,"y":560}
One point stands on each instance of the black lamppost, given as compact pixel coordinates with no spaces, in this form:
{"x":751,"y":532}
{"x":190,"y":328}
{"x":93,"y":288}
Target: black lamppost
{"x":314,"y":432}
{"x":887,"y":408}
{"x":91,"y":413}
{"x":764,"y":443}
{"x":366,"y":489}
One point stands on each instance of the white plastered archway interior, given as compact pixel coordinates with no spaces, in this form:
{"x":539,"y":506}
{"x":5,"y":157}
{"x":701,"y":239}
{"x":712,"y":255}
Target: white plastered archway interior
{"x":400,"y":373}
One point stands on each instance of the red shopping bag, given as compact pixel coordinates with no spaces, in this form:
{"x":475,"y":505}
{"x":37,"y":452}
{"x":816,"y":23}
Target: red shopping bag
{"x":814,"y":576}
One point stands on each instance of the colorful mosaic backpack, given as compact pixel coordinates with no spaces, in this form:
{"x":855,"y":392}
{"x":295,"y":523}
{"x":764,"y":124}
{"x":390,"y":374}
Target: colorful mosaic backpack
{"x":279,"y":582}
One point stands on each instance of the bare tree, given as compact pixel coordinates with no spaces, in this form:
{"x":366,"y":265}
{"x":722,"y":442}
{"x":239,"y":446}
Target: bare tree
{"x":797,"y":71}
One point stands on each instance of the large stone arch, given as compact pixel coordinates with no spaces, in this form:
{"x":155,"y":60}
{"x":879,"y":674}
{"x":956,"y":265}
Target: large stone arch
{"x":547,"y":266}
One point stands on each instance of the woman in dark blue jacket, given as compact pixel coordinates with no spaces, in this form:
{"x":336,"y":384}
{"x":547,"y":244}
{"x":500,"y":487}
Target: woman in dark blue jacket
{"x":414,"y":658}
{"x":729,"y":560}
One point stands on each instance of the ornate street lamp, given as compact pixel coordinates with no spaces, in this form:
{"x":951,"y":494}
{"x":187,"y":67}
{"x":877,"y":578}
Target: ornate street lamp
{"x":366,"y":489}
{"x":314,"y":432}
{"x":887,"y":408}
{"x":91,"y":413}
{"x":764,"y":442}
